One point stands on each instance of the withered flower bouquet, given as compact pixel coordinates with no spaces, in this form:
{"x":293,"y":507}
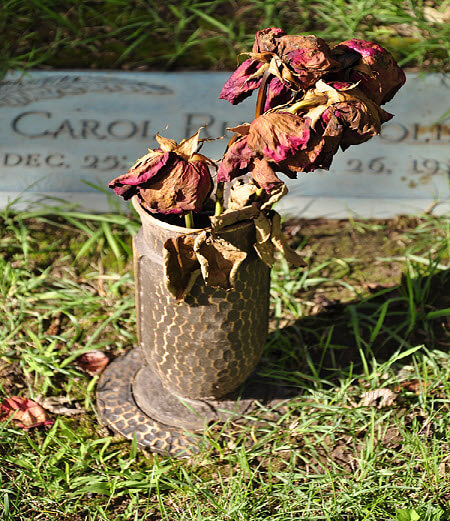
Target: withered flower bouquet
{"x":311,"y":100}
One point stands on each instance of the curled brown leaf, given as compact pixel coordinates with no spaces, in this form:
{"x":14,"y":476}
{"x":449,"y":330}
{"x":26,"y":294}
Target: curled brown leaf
{"x":181,"y":267}
{"x":219,"y":260}
{"x":24,"y":413}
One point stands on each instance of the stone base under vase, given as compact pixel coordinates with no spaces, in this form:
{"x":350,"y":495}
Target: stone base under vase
{"x":132,"y":401}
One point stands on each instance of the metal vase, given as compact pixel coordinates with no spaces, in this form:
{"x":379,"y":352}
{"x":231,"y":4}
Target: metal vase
{"x":205,"y":346}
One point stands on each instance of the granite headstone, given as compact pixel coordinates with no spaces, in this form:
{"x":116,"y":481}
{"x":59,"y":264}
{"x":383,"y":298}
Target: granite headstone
{"x":64,"y":133}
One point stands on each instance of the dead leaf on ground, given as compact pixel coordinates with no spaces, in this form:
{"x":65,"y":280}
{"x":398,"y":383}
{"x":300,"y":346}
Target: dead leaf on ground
{"x":93,"y":362}
{"x":378,"y":398}
{"x":414,"y":386}
{"x":374,"y":287}
{"x":56,"y":405}
{"x":55,"y":326}
{"x":323,"y":304}
{"x":24,"y":413}
{"x":435,"y":15}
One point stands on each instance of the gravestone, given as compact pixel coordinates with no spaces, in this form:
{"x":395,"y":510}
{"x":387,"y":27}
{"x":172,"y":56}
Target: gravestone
{"x":63,"y":133}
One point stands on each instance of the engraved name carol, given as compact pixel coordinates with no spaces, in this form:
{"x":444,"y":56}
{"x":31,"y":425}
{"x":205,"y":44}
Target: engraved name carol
{"x":63,"y":132}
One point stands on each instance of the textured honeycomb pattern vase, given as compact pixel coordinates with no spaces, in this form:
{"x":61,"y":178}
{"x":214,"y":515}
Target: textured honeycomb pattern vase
{"x":207,"y":345}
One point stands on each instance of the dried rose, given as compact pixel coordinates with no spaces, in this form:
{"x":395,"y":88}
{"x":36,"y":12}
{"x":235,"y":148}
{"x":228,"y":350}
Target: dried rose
{"x":323,"y":144}
{"x":240,"y":159}
{"x":140,"y":173}
{"x":24,"y":413}
{"x":173,"y":179}
{"x":360,"y":120}
{"x":308,"y":57}
{"x":269,"y":139}
{"x":292,"y":62}
{"x":359,"y":116}
{"x":277,"y":135}
{"x":372,"y":67}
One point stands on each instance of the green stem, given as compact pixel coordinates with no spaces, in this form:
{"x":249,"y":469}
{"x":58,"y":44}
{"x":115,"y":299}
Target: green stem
{"x":219,"y":198}
{"x":189,"y":220}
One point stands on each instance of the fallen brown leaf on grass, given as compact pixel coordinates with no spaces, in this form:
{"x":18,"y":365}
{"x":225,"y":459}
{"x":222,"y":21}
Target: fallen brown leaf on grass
{"x":24,"y":413}
{"x":93,"y":362}
{"x":55,"y":325}
{"x":378,"y":398}
{"x":58,"y":405}
{"x":414,"y":386}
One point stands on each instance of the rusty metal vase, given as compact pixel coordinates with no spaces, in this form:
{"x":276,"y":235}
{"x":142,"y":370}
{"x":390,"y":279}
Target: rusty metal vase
{"x":205,"y":346}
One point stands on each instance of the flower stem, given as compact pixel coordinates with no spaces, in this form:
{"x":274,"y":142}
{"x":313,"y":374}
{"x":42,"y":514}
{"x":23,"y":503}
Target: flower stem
{"x":262,"y":94}
{"x":219,"y":199}
{"x":189,"y":220}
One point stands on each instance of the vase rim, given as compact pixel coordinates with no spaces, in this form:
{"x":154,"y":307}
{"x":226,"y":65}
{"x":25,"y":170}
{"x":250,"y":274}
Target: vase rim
{"x":144,"y":214}
{"x":153,"y":221}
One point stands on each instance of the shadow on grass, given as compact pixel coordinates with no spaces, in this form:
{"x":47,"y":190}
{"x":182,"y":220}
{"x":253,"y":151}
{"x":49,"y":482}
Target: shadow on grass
{"x":344,"y":339}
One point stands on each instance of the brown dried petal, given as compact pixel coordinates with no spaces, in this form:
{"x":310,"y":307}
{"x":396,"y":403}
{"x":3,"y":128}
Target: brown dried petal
{"x":23,"y":412}
{"x":264,"y":176}
{"x":264,"y":246}
{"x":278,"y":93}
{"x":181,"y":189}
{"x":277,"y":135}
{"x":235,"y":162}
{"x":93,"y":362}
{"x":242,"y":194}
{"x":219,"y":260}
{"x":321,"y":149}
{"x":308,"y":56}
{"x":233,"y":216}
{"x":361,"y":120}
{"x":376,"y":71}
{"x":181,"y":267}
{"x":280,"y":243}
{"x":242,"y":82}
{"x":140,"y":173}
{"x":267,"y":39}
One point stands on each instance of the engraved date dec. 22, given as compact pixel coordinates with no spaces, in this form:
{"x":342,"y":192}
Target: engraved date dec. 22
{"x":105,"y":163}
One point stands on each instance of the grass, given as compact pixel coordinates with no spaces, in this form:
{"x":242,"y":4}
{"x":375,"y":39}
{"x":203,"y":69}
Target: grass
{"x":188,"y":34}
{"x":370,"y":311}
